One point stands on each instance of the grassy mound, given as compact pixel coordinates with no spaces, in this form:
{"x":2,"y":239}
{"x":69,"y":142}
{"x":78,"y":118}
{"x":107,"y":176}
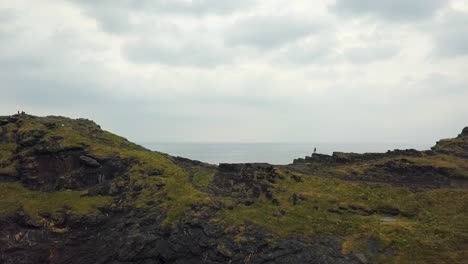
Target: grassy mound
{"x":422,"y":227}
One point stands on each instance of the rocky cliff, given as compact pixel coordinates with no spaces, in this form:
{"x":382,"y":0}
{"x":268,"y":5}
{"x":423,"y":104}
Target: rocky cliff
{"x":73,"y":193}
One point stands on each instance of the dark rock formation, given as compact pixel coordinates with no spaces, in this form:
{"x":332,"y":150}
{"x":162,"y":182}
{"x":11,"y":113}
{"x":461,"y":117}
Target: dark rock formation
{"x":248,"y":180}
{"x":403,"y":173}
{"x":455,"y":146}
{"x":342,"y":157}
{"x":140,"y":237}
{"x":68,"y":170}
{"x":464,"y":133}
{"x":90,"y":162}
{"x":410,"y":167}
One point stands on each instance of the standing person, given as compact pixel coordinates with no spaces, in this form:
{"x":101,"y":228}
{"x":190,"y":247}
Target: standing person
{"x":315,"y":150}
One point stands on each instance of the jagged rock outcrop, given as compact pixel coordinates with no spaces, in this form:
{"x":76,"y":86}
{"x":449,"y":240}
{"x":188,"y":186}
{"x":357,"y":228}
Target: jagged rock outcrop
{"x":343,"y":157}
{"x":40,"y":161}
{"x":248,"y":180}
{"x":455,"y":146}
{"x":436,"y":168}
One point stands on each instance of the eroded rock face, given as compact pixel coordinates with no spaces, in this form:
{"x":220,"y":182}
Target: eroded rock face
{"x":344,"y":158}
{"x":408,"y":168}
{"x":464,"y":132}
{"x":90,"y":162}
{"x":140,"y":237}
{"x":67,"y":170}
{"x":40,"y":162}
{"x":397,"y":172}
{"x":455,"y":146}
{"x":248,"y":180}
{"x":407,"y":174}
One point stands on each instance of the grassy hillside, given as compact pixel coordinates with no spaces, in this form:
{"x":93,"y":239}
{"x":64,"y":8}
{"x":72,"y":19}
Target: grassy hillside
{"x":408,"y":227}
{"x":387,"y":223}
{"x":61,"y":134}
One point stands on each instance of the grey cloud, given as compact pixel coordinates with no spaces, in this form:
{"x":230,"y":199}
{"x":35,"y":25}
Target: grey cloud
{"x":176,"y":52}
{"x":114,"y":15}
{"x":392,"y":10}
{"x":62,"y":85}
{"x":23,"y":54}
{"x":200,"y":7}
{"x":247,"y":100}
{"x":266,"y":32}
{"x":44,"y":70}
{"x":451,"y":36}
{"x":51,"y":82}
{"x":112,"y":19}
{"x":324,"y":48}
{"x":195,"y":7}
{"x":68,"y":72}
{"x":320,"y":49}
{"x":18,"y":63}
{"x":54,"y":90}
{"x":436,"y":85}
{"x":363,"y":55}
{"x":7,"y":18}
{"x":7,"y":15}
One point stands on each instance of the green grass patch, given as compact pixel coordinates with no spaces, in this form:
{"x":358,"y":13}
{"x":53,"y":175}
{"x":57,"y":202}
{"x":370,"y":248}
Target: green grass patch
{"x":176,"y":194}
{"x":7,"y":165}
{"x":202,"y":179}
{"x":14,"y":196}
{"x":6,"y":152}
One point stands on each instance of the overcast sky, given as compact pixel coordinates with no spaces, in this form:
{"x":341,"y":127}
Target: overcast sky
{"x":243,"y":70}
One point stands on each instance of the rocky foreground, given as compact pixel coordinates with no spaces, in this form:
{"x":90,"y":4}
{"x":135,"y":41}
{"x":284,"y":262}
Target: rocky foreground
{"x":73,"y":193}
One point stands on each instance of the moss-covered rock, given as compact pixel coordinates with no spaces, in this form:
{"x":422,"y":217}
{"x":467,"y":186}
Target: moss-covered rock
{"x":454,"y":146}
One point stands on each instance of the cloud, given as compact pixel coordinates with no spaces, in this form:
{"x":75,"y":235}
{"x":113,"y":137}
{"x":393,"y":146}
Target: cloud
{"x":192,"y":7}
{"x":115,"y":16}
{"x":177,"y":53}
{"x":237,"y":71}
{"x":326,"y":49}
{"x":390,"y":10}
{"x":7,"y":15}
{"x":267,"y":32}
{"x":451,"y":35}
{"x":313,"y":50}
{"x":436,"y":85}
{"x":369,"y":54}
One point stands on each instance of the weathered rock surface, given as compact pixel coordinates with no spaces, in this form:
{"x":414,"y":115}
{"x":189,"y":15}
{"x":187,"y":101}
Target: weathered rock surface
{"x":139,"y":237}
{"x":408,"y":167}
{"x":343,"y":158}
{"x":248,"y":180}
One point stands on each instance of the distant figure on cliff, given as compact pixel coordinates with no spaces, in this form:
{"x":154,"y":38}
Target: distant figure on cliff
{"x":315,"y":150}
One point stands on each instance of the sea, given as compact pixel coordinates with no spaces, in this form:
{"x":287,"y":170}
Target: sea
{"x":273,"y":153}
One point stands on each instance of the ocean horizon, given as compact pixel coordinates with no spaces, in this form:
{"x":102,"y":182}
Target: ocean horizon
{"x":273,"y":153}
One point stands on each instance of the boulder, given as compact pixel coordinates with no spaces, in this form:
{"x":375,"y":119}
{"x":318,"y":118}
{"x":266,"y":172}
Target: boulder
{"x":464,"y":132}
{"x":90,"y":162}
